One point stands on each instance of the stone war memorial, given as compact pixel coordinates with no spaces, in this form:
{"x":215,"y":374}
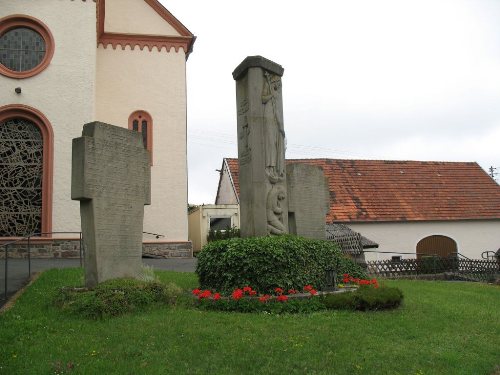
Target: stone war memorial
{"x":112,"y":180}
{"x":269,"y":205}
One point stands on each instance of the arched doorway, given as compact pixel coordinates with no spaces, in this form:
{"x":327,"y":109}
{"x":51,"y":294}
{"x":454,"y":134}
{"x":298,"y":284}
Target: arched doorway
{"x":436,"y":245}
{"x":26,"y":158}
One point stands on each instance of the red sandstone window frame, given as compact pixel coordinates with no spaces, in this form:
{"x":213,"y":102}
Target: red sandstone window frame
{"x":20,"y":111}
{"x":139,"y":116}
{"x":20,"y":20}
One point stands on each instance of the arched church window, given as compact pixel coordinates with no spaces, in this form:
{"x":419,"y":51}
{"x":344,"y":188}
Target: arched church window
{"x":26,"y":154}
{"x":26,"y":46}
{"x":21,"y":171}
{"x":142,"y":122}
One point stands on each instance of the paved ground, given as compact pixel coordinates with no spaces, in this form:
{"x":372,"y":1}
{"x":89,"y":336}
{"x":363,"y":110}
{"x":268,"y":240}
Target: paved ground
{"x":18,"y":270}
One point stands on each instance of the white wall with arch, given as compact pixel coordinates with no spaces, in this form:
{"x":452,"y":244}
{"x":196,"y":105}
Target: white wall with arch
{"x":472,"y":236}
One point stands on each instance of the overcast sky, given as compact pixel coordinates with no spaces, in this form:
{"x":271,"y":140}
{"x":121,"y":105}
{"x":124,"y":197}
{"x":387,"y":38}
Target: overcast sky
{"x":375,"y":79}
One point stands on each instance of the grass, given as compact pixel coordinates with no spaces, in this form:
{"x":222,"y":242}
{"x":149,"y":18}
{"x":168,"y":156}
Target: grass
{"x":442,"y":328}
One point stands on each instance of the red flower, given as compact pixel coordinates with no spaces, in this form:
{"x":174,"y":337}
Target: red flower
{"x":205,"y":294}
{"x":282,"y":298}
{"x":278,"y":290}
{"x":307,"y":288}
{"x":216,"y":296}
{"x":196,"y":292}
{"x":292,"y":291}
{"x":252,"y":292}
{"x":237,"y":294}
{"x":264,"y":298}
{"x":313,"y":292}
{"x":247,"y":289}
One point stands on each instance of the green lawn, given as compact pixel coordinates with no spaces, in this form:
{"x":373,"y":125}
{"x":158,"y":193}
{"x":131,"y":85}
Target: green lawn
{"x":442,"y":328}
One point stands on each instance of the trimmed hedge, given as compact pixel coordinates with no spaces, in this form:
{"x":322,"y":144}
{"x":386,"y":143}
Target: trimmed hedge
{"x":264,"y":263}
{"x":365,"y":298}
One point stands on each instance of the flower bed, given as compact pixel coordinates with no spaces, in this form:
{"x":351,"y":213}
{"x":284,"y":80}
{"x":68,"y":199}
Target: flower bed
{"x":309,"y":299}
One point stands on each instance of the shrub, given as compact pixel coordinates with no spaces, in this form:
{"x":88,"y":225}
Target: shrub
{"x":115,"y":297}
{"x":286,"y":261}
{"x":215,"y":235}
{"x":365,"y":298}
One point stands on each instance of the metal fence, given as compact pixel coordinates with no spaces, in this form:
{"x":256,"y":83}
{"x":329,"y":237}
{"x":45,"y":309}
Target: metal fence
{"x":452,"y":267}
{"x":17,"y":270}
{"x":28,"y":241}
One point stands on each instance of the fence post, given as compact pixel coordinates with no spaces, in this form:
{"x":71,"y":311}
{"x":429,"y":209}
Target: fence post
{"x":6,"y":267}
{"x":81,"y":249}
{"x":29,"y":256}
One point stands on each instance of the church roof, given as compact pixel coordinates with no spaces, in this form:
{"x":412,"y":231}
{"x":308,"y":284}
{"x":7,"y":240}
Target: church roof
{"x":387,"y":190}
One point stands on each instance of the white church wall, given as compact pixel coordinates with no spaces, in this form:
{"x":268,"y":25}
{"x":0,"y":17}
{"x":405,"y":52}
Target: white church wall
{"x":130,"y":80}
{"x":122,"y":17}
{"x":63,"y":92}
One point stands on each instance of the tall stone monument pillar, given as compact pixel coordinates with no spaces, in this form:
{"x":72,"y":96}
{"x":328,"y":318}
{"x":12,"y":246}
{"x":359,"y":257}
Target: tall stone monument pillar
{"x":261,"y":148}
{"x":112,"y":180}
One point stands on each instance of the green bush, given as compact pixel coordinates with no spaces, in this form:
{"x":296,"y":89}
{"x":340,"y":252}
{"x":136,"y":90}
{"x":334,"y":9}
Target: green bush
{"x":264,"y":263}
{"x":216,"y":235}
{"x":365,"y":298}
{"x":115,"y":297}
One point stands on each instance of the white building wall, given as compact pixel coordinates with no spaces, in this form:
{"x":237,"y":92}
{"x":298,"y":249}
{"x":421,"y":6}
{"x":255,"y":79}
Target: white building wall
{"x":226,"y":194}
{"x":199,"y":221}
{"x":63,"y":92}
{"x":153,"y":81}
{"x":135,"y":17}
{"x":472,"y":236}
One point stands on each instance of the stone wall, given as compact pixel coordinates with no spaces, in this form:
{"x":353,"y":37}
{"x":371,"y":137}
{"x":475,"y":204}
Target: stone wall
{"x":70,"y":248}
{"x":168,"y":249}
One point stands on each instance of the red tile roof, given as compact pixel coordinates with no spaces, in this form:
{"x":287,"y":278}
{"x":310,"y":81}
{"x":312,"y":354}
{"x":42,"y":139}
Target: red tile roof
{"x":384,"y":190}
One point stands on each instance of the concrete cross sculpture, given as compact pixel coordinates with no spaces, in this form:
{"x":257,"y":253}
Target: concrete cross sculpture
{"x":111,"y":178}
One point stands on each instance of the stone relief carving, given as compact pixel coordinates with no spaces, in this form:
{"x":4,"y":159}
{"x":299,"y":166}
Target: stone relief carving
{"x":245,"y":153}
{"x":21,"y":169}
{"x":273,"y":128}
{"x":274,"y":209}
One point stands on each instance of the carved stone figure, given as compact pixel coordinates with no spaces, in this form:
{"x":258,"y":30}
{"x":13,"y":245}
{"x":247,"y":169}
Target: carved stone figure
{"x":275,"y":201}
{"x":261,"y":147}
{"x":273,"y":128}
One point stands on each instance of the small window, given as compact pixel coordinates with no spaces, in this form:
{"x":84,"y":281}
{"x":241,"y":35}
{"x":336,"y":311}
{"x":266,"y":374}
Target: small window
{"x":220,"y":223}
{"x":26,"y":46}
{"x":142,"y":122}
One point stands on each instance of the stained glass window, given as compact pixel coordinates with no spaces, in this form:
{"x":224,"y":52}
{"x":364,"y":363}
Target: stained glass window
{"x":141,"y":122}
{"x":144,"y":131}
{"x":21,"y":171}
{"x":21,"y":49}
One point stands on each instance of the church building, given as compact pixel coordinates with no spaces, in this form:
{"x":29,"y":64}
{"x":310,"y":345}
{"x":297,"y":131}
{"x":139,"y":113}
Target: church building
{"x":64,"y":63}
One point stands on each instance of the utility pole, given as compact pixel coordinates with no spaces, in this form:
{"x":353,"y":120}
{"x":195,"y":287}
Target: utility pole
{"x":493,"y":172}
